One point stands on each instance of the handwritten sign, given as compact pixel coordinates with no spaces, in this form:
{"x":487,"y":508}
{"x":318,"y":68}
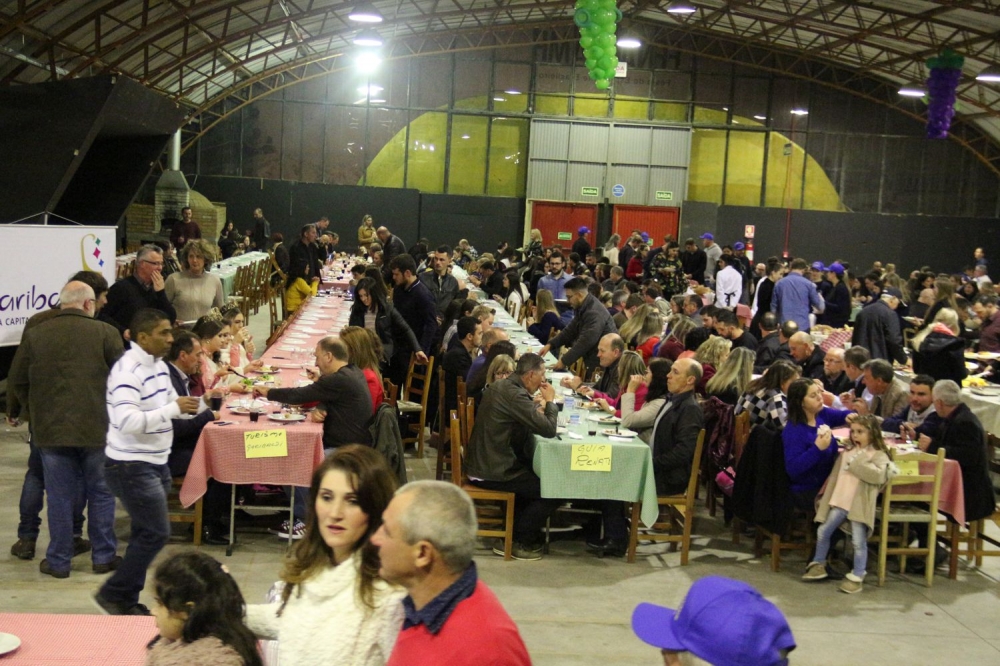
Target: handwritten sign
{"x":265,"y":444}
{"x":590,"y":458}
{"x":908,"y":468}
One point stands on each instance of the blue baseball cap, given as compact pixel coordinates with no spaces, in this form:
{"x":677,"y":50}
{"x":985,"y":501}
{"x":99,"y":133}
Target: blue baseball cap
{"x":644,"y":236}
{"x":707,"y":237}
{"x":836,"y":267}
{"x":819,"y":266}
{"x":583,"y":230}
{"x":738,"y":245}
{"x":722,"y":621}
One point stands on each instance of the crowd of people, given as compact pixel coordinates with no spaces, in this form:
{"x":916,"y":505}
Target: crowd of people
{"x":658,"y":336}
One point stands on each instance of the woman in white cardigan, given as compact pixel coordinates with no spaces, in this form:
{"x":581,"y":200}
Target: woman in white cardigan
{"x":334,"y":609}
{"x":655,"y":383}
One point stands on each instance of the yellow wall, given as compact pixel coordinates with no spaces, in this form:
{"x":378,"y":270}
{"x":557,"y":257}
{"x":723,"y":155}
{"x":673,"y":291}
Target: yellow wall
{"x":507,"y":154}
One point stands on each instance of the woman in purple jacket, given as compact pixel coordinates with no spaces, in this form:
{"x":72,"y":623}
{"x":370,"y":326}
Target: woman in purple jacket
{"x":810,"y":448}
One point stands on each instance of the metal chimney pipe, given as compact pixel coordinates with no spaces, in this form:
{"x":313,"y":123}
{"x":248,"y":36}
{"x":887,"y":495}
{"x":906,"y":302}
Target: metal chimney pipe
{"x":174,"y":152}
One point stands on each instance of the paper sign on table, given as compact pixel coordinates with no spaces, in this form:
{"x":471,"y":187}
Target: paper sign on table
{"x":590,"y":458}
{"x":908,"y":467}
{"x":265,"y":443}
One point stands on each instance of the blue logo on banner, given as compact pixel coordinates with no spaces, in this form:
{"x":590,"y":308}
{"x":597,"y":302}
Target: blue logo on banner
{"x":618,"y":190}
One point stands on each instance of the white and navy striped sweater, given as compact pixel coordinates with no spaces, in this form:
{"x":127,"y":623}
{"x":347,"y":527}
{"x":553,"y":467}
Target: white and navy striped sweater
{"x":141,"y":401}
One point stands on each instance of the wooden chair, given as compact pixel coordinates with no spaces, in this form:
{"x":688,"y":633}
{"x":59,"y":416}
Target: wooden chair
{"x":277,"y":333}
{"x":419,"y":406}
{"x":485,"y":501}
{"x":391,"y":392}
{"x":678,"y":510}
{"x":800,"y":535}
{"x":741,"y":433}
{"x":579,"y":368}
{"x":898,"y":506}
{"x":178,"y":514}
{"x":444,"y":453}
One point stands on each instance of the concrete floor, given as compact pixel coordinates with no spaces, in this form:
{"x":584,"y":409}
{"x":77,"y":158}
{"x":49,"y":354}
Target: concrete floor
{"x":574,"y":609}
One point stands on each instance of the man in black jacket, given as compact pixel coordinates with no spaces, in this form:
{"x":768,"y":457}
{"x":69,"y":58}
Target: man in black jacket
{"x":184,"y":361}
{"x":769,"y":346}
{"x":675,"y":431}
{"x":876,"y":328}
{"x":143,"y":289}
{"x":458,"y":359}
{"x":392,"y":247}
{"x":442,"y":284}
{"x":807,"y":355}
{"x":590,"y":323}
{"x":694,"y":260}
{"x":414,"y":301}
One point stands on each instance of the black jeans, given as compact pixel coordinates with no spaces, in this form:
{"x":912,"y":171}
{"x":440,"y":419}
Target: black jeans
{"x":531,"y":510}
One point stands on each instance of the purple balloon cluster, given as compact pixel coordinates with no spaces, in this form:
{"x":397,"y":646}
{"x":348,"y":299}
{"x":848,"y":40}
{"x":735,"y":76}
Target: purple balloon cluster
{"x":941,"y":86}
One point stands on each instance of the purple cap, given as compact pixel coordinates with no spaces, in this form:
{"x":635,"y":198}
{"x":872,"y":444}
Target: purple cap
{"x":836,"y":267}
{"x":722,"y":621}
{"x":583,"y":230}
{"x":738,"y":245}
{"x":818,"y":266}
{"x":707,"y":236}
{"x":645,"y":237}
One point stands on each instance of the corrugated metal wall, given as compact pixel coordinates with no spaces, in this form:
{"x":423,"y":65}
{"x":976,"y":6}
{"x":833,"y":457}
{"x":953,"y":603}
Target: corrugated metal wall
{"x":570,"y":160}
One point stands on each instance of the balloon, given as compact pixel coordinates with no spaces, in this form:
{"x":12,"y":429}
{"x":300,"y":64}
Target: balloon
{"x":586,"y":42}
{"x":606,"y":41}
{"x":582,"y":18}
{"x":607,"y":63}
{"x":597,"y":73}
{"x":596,"y":52}
{"x":590,"y":63}
{"x":603,"y":17}
{"x":602,"y":84}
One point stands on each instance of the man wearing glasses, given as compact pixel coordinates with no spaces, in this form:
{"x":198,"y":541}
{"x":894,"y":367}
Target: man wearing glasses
{"x":142,"y":289}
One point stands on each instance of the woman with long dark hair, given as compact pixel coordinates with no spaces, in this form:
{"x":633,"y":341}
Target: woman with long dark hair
{"x":372,"y":310}
{"x":334,"y":608}
{"x":765,"y":396}
{"x":655,"y":384}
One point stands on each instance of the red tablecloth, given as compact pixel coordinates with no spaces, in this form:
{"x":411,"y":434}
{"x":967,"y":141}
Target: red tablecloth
{"x":952,"y":498}
{"x":220,"y":452}
{"x":59,"y":640}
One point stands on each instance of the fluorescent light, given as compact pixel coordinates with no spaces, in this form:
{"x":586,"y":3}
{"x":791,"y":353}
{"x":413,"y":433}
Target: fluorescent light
{"x":365,"y":12}
{"x":989,"y":75}
{"x":681,"y":8}
{"x":370,"y":89}
{"x":628,"y":43}
{"x":499,"y":99}
{"x":367,"y":62}
{"x":512,"y":92}
{"x":799,"y":112}
{"x":760,"y":117}
{"x":912,"y":90}
{"x":368,"y":38}
{"x":466,"y":136}
{"x":377,"y":101}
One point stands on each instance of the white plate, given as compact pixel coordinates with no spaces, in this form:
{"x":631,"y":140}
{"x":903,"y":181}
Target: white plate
{"x":604,"y":418}
{"x":244,"y":411}
{"x":287,"y":418}
{"x":312,"y":331}
{"x":297,"y":338}
{"x":290,"y":348}
{"x":270,"y":369}
{"x":9,"y":643}
{"x":621,"y":432}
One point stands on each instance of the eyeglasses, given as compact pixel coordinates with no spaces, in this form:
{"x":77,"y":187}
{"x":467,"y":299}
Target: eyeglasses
{"x":153,"y":263}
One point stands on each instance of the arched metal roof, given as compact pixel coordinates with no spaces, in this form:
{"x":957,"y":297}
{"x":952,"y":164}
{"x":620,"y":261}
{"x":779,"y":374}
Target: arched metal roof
{"x":208,"y":54}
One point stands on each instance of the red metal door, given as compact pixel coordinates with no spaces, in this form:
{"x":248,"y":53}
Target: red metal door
{"x":657,"y":221}
{"x":558,"y":221}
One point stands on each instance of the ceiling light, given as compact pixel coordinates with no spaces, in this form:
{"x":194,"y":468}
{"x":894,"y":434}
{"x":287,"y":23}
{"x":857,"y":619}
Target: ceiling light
{"x":466,"y":136}
{"x":512,"y":92}
{"x":912,"y":90}
{"x":370,"y":89}
{"x":365,"y":12}
{"x":760,"y":117}
{"x":367,"y":62}
{"x":989,"y":75}
{"x":681,"y":8}
{"x":628,"y":43}
{"x":799,"y":112}
{"x":368,"y":37}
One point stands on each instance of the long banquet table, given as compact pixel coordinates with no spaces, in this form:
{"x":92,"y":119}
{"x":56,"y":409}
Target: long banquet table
{"x":57,"y":640}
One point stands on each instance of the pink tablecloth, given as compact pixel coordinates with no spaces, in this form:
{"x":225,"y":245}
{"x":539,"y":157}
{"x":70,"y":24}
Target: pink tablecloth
{"x":59,"y":640}
{"x":836,"y":339}
{"x":220,"y":452}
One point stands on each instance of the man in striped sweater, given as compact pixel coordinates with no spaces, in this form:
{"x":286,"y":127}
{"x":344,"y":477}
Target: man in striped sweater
{"x":141,"y":402}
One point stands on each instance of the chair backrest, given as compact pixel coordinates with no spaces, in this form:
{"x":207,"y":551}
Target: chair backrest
{"x":422,"y":376}
{"x":695,"y":469}
{"x":456,"y":449}
{"x":390,"y":391}
{"x":461,"y":391}
{"x":741,"y":433}
{"x":442,"y":385}
{"x":993,"y":453}
{"x":900,"y":487}
{"x":467,"y":417}
{"x":579,"y":368}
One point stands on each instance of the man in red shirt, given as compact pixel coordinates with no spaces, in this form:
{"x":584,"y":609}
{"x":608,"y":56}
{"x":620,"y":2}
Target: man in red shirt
{"x":426,"y":543}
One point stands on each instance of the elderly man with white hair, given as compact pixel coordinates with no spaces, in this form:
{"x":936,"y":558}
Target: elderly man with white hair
{"x":60,"y":371}
{"x":426,"y":543}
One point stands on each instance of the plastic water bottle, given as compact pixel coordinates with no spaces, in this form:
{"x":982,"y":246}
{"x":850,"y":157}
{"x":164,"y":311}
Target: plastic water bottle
{"x":569,"y":403}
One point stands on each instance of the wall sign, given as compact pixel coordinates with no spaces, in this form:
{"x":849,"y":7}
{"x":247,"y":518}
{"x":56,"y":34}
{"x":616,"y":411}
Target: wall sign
{"x":662,"y":195}
{"x":564,"y":235}
{"x":748,"y":231}
{"x":618,"y":190}
{"x":590,"y":191}
{"x":621,"y":71}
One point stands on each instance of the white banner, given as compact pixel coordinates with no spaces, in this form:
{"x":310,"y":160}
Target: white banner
{"x":37,"y":262}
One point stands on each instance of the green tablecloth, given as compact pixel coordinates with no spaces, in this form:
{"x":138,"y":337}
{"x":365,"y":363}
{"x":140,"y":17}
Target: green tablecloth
{"x":630,"y":479}
{"x":226,"y":269}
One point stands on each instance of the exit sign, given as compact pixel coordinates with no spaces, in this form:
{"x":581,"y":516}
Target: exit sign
{"x":662,"y":195}
{"x":590,"y":191}
{"x":564,"y":235}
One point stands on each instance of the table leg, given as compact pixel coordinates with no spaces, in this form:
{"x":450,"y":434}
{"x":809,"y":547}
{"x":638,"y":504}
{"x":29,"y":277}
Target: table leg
{"x":291,"y":518}
{"x":232,"y":521}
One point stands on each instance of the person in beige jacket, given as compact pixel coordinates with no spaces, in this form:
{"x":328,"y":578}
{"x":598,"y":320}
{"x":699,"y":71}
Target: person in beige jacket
{"x":366,"y":233}
{"x":852,"y":489}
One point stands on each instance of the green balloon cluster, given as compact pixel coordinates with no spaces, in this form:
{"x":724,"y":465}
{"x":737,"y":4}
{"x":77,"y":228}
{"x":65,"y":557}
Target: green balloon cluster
{"x":598,"y":22}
